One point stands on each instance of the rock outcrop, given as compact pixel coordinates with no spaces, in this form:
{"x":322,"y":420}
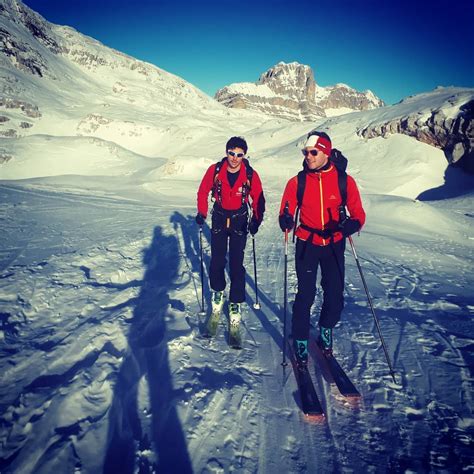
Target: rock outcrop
{"x":449,"y":126}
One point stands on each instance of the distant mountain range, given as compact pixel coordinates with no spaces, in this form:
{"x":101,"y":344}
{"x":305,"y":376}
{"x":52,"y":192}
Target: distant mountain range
{"x":289,"y":91}
{"x":55,"y":81}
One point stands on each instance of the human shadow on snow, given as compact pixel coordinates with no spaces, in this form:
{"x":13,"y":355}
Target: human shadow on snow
{"x":192,"y":248}
{"x":148,"y":357}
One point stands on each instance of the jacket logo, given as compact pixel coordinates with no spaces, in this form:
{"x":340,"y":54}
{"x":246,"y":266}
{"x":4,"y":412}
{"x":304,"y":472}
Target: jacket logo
{"x":332,"y":196}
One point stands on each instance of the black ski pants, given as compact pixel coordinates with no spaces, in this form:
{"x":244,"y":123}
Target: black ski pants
{"x":228,"y":232}
{"x":307,"y":259}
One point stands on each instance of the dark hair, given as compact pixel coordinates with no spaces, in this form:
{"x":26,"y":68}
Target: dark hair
{"x":236,"y":142}
{"x":319,"y":134}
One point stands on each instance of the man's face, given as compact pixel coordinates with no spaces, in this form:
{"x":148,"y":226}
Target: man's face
{"x":315,"y":158}
{"x":234,"y":159}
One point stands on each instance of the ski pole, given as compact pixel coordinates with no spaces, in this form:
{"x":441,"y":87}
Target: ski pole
{"x":256,"y":304}
{"x":285,"y":299}
{"x":203,"y":311}
{"x":369,"y":299}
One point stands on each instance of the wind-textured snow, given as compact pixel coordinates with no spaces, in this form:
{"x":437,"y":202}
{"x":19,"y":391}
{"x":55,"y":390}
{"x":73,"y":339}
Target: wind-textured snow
{"x":102,"y":363}
{"x":102,"y":367}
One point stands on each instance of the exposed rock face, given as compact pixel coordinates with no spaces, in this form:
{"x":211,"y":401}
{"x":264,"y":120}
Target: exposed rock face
{"x":449,"y":127}
{"x":289,"y":91}
{"x":342,"y":96}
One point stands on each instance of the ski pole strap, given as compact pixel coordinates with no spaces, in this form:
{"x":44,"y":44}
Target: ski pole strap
{"x":202,"y":269}
{"x":297,"y":216}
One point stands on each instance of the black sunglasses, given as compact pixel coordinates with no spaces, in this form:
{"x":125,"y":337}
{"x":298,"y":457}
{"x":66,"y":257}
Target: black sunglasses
{"x":238,"y":155}
{"x":313,"y":152}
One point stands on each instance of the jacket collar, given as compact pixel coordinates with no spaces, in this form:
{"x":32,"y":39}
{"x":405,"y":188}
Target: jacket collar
{"x":327,"y":167}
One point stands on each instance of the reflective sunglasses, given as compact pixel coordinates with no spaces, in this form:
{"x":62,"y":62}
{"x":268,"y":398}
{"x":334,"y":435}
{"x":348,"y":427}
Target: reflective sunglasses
{"x":312,"y":152}
{"x":238,"y":155}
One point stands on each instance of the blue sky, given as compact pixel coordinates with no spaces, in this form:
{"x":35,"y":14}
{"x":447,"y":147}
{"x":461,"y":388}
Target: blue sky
{"x":393,"y":49}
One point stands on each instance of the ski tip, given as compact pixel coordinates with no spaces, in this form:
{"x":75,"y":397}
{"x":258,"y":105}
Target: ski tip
{"x":315,"y":417}
{"x":353,"y":395}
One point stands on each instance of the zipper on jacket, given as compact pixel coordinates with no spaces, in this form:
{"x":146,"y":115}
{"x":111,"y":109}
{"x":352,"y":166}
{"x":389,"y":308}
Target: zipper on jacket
{"x":322,"y":203}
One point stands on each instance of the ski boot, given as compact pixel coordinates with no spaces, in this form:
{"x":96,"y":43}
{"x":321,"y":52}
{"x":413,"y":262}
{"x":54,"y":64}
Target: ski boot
{"x":301,"y":353}
{"x":235,"y":315}
{"x":325,"y":340}
{"x":217,"y":302}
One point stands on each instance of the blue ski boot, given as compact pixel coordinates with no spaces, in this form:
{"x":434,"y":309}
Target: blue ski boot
{"x":325,"y":340}
{"x":301,"y":352}
{"x":217,"y":302}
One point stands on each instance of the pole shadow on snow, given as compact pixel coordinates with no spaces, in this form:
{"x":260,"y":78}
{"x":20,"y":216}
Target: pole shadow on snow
{"x":147,"y":356}
{"x":277,"y":310}
{"x":192,"y":256}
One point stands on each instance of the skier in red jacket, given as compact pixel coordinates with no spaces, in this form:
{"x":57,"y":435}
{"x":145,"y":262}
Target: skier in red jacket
{"x":320,"y":239}
{"x":232,"y":182}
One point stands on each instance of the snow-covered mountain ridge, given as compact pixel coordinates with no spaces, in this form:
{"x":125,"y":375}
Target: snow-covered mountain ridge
{"x":56,"y":81}
{"x":290,"y":91}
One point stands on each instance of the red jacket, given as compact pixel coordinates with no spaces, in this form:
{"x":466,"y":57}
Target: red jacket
{"x":321,"y":201}
{"x":231,"y":198}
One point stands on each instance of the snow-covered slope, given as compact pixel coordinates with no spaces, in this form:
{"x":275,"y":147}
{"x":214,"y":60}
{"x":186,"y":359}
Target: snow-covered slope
{"x":102,"y":368}
{"x":56,"y":81}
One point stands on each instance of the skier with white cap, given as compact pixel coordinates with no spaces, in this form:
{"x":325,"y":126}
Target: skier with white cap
{"x":321,"y":192}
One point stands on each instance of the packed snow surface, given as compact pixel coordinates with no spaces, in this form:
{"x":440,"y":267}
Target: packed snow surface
{"x":102,"y":366}
{"x":102,"y":363}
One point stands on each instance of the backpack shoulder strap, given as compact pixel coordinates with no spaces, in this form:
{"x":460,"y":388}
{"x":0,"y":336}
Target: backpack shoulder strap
{"x":340,"y":162}
{"x":342,"y":182}
{"x":249,"y":171}
{"x":216,"y":187}
{"x":218,"y":167}
{"x":301,"y":187}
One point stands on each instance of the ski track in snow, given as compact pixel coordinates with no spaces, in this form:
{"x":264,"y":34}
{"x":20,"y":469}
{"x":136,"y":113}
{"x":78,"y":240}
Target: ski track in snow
{"x":102,"y":362}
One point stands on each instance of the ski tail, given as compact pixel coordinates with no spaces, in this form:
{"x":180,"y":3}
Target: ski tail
{"x":330,"y":363}
{"x":310,"y":404}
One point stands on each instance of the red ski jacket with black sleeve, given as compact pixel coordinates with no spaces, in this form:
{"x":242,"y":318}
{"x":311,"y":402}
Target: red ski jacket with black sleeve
{"x":230,"y":198}
{"x":320,"y":205}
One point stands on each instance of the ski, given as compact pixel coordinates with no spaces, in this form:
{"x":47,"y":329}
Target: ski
{"x":235,"y":338}
{"x":339,"y":376}
{"x":217,"y":305}
{"x":235,"y":316}
{"x":310,"y":403}
{"x":210,"y":329}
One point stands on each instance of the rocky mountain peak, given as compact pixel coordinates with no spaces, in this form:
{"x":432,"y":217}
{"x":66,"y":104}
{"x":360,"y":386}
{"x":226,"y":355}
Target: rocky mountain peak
{"x":289,"y":90}
{"x":293,"y":80}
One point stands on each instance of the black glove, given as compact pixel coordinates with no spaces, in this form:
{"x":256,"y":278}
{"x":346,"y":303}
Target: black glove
{"x":253,"y":226}
{"x":200,"y":219}
{"x":286,"y":221}
{"x":349,"y":227}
